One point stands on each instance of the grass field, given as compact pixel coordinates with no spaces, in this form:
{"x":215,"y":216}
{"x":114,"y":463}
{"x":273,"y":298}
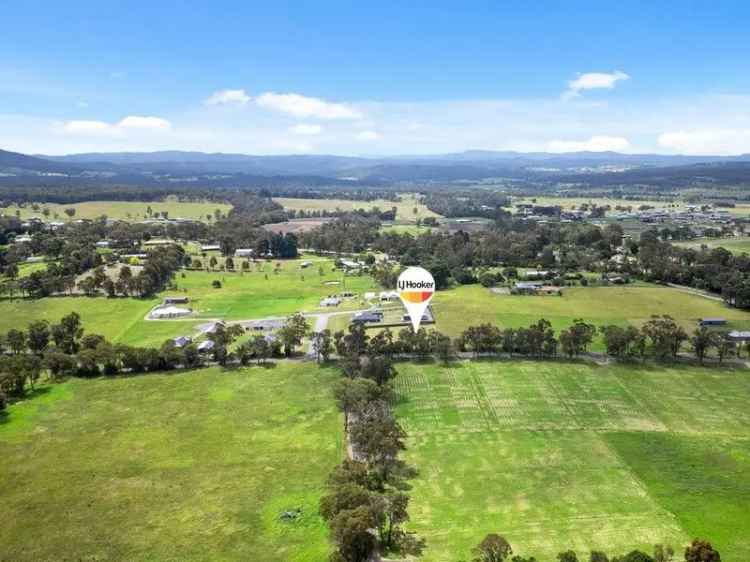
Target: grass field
{"x":468,"y":305}
{"x":263,"y":293}
{"x":112,"y":318}
{"x":570,"y":202}
{"x":123,"y":210}
{"x":412,"y":229}
{"x":556,"y":456}
{"x":404,"y":209}
{"x":187,"y":466}
{"x":737,"y":245}
{"x":242,"y":296}
{"x":27,"y":268}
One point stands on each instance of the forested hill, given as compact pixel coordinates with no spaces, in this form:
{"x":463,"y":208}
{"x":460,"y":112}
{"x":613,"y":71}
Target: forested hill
{"x":15,"y":162}
{"x":530,"y":171}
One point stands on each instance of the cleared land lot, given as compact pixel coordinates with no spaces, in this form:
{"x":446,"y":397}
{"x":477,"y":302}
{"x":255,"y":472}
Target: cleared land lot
{"x":186,"y":466}
{"x":404,"y":208}
{"x":556,"y":456}
{"x":122,"y":210}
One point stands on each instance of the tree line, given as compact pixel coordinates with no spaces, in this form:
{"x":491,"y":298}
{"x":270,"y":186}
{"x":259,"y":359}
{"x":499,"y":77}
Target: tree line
{"x":366,"y":501}
{"x":659,"y":338}
{"x":64,"y":350}
{"x":495,"y":548}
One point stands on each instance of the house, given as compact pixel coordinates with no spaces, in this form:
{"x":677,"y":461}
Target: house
{"x":210,"y":248}
{"x":388,"y":296}
{"x":182,"y":341}
{"x":102,"y":244}
{"x":330,"y":301}
{"x":305,"y":264}
{"x":162,"y":312}
{"x":265,"y":325}
{"x":712,"y":321}
{"x":23,"y":238}
{"x":738,"y":336}
{"x":212,"y":327}
{"x":537,"y":274}
{"x":367,"y":317}
{"x":526,"y":288}
{"x":244,"y":252}
{"x":349,"y":264}
{"x":175,"y":300}
{"x":205,"y":346}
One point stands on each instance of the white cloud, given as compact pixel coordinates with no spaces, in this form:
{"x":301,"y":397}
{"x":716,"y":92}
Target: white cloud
{"x":703,"y":124}
{"x":136,"y":122}
{"x":597,"y":143}
{"x":306,"y":129}
{"x":131,"y":122}
{"x":707,"y":141}
{"x":227,"y":97}
{"x":368,"y":136}
{"x":593,"y":81}
{"x":306,"y":107}
{"x":86,"y":127}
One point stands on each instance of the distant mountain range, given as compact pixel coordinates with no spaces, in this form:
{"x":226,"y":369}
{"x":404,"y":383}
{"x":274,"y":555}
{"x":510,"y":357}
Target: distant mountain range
{"x":148,"y":168}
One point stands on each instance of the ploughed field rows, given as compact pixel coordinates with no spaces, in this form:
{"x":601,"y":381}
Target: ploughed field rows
{"x":563,"y":455}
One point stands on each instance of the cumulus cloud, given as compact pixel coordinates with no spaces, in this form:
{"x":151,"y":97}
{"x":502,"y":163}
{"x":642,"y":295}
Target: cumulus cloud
{"x":136,"y":122}
{"x":707,"y":141}
{"x":130,"y":122}
{"x":597,"y":143}
{"x":86,"y":127}
{"x":306,"y":107}
{"x":593,"y":81}
{"x":368,"y":136}
{"x":227,"y":97}
{"x":306,"y":129}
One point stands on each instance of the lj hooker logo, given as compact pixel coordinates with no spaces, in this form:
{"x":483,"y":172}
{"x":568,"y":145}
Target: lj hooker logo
{"x":415,"y":287}
{"x":416,"y":290}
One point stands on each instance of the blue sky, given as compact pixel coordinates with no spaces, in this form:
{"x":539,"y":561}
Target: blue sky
{"x":382,"y":78}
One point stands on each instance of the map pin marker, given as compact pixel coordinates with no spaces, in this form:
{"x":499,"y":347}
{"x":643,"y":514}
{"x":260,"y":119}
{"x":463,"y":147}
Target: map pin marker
{"x":415,"y":287}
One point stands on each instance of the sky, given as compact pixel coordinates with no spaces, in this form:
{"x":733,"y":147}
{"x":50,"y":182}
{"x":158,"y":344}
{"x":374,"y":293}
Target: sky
{"x":375,"y":78}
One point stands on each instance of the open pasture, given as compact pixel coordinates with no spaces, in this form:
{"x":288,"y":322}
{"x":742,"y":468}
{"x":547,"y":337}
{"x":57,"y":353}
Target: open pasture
{"x":568,"y":203}
{"x":404,"y":208}
{"x":736,"y":245}
{"x":269,"y":291}
{"x":468,"y":305}
{"x":257,"y":294}
{"x":571,"y":455}
{"x":121,"y":320}
{"x":185,"y":466}
{"x":121,"y":210}
{"x":112,"y":318}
